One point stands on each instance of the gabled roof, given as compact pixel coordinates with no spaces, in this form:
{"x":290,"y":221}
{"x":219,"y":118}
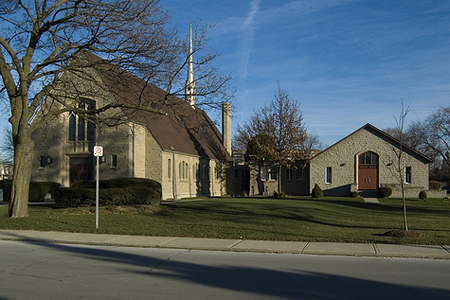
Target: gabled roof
{"x":182,"y":128}
{"x":388,"y":138}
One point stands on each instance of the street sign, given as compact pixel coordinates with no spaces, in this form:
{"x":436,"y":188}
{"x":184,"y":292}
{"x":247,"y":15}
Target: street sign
{"x":98,"y":151}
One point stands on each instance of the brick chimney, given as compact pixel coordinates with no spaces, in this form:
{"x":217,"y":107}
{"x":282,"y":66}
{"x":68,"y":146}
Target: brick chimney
{"x":226,"y":126}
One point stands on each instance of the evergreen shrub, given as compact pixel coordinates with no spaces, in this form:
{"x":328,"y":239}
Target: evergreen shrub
{"x":354,"y":194}
{"x":423,"y":195}
{"x":384,"y":191}
{"x":317,"y":192}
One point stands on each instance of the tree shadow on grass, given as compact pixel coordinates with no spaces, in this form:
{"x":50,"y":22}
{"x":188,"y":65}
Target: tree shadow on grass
{"x":256,"y":281}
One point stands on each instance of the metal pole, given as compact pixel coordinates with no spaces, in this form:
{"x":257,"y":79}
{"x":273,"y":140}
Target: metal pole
{"x":96,"y":191}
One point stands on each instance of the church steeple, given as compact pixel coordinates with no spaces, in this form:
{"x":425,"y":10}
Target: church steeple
{"x":190,"y":83}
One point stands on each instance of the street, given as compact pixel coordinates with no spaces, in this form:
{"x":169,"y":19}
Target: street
{"x":64,"y":271}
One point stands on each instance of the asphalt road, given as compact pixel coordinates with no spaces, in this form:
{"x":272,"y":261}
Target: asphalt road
{"x":63,"y":271}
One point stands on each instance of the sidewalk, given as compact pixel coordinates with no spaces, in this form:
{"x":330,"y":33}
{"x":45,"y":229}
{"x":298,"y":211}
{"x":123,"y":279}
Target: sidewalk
{"x":311,"y":248}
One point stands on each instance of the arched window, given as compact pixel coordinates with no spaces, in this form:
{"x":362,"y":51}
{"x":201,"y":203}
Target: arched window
{"x":72,"y":127}
{"x":368,"y":158}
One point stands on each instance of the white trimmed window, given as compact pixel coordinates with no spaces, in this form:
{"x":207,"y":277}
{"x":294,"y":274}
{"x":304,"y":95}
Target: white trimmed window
{"x":408,"y":172}
{"x":329,"y":177}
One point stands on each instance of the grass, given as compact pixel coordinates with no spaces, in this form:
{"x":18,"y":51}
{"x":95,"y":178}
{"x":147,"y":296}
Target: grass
{"x":291,"y":219}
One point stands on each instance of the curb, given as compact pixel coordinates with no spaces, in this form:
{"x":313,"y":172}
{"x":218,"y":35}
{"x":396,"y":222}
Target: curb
{"x":232,"y":245}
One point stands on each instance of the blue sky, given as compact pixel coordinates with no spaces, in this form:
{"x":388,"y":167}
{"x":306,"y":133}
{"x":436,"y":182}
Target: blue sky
{"x":347,"y":62}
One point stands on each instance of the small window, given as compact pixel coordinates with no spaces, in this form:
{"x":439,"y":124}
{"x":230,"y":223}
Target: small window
{"x":328,"y":175}
{"x":236,"y":173}
{"x":113,"y":161}
{"x":408,"y":174}
{"x":169,"y":168}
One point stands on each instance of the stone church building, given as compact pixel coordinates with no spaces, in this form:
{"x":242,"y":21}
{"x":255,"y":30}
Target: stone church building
{"x":361,"y":162}
{"x":182,"y":148}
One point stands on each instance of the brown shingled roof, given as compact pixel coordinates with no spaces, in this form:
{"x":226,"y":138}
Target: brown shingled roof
{"x":182,"y":128}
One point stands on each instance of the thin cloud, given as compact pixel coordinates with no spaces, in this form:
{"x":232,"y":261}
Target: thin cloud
{"x":248,"y":29}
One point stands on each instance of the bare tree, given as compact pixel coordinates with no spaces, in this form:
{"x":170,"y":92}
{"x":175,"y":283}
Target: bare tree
{"x":432,"y":136}
{"x":276,"y":134}
{"x":41,"y":41}
{"x":399,"y":154}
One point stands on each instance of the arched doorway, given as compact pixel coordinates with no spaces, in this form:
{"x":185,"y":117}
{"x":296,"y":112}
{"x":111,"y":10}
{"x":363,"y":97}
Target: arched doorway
{"x":368,"y":171}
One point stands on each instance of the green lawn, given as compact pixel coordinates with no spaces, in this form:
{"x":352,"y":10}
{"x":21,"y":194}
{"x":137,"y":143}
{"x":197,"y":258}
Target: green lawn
{"x":293,"y":219}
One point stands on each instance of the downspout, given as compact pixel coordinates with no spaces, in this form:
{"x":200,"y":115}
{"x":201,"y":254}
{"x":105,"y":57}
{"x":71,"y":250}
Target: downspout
{"x":133,"y":149}
{"x":173,"y":177}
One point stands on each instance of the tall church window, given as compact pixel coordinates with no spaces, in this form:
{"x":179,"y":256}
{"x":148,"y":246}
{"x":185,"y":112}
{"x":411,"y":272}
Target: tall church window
{"x":72,"y":127}
{"x":79,"y":128}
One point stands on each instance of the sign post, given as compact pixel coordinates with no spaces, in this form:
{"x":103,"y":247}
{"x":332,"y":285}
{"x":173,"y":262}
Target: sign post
{"x":98,"y":151}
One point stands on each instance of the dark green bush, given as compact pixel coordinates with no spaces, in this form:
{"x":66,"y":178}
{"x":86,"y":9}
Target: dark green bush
{"x":121,"y":183}
{"x":75,"y":197}
{"x":317,"y":192}
{"x":384,"y":192}
{"x":423,"y":195}
{"x":38,"y":190}
{"x":354,"y":194}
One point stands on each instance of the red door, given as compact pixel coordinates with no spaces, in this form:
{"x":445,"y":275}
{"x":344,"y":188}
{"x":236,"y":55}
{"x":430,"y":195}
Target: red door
{"x":81,"y":169}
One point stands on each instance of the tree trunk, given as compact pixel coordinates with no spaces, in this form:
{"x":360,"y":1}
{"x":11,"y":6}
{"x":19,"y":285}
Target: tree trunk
{"x":23,"y":159}
{"x":405,"y":222}
{"x":280,"y":187}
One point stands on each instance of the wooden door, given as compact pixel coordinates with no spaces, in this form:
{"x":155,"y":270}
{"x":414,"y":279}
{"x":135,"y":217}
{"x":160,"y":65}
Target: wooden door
{"x":367,"y":179}
{"x":81,"y":169}
{"x":368,"y":171}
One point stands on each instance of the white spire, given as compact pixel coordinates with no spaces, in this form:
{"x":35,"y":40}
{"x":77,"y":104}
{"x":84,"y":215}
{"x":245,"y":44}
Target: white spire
{"x":190,"y":83}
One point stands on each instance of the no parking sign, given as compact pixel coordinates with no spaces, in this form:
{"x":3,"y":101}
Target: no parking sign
{"x":98,"y":151}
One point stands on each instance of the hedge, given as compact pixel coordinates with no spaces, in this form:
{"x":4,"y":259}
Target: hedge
{"x":38,"y":190}
{"x":74,"y":197}
{"x":120,"y":183}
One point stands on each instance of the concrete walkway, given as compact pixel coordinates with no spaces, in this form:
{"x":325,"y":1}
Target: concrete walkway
{"x":371,"y":200}
{"x":237,"y":245}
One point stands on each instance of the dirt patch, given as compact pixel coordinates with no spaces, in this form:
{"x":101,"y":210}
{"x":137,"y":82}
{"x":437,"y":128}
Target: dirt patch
{"x":115,"y":210}
{"x":404,"y":234}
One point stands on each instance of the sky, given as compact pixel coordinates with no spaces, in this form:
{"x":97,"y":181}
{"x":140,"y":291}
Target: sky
{"x":347,"y":62}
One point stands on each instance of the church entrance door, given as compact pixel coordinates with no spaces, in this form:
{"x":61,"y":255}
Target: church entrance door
{"x":368,"y":171}
{"x":81,"y":169}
